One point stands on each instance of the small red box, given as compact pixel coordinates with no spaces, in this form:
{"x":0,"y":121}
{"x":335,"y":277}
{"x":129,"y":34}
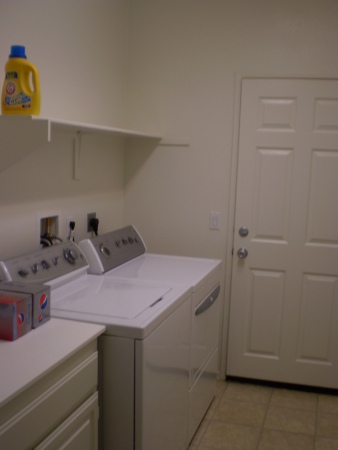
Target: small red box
{"x":15,"y":315}
{"x":40,"y":298}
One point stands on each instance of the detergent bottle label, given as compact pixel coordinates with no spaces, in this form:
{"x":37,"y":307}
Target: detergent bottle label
{"x":21,"y":88}
{"x":13,"y":95}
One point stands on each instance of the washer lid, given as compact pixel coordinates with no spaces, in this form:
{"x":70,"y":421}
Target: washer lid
{"x":176,"y":270}
{"x":110,"y":298}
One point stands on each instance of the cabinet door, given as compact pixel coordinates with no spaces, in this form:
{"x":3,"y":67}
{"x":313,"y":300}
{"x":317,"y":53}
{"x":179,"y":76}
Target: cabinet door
{"x":79,"y":431}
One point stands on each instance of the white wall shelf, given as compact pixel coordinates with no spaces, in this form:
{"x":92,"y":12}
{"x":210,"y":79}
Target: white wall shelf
{"x":21,"y":135}
{"x":89,"y":128}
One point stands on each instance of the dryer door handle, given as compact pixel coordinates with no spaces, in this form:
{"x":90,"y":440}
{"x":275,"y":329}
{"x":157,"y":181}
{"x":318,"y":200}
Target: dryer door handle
{"x":208,"y":301}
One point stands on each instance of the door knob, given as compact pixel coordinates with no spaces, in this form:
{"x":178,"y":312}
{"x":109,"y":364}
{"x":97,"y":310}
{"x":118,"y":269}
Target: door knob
{"x":243,"y":231}
{"x":242,"y":253}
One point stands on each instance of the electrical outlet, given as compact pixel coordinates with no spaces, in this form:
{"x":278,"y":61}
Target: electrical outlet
{"x":90,"y":216}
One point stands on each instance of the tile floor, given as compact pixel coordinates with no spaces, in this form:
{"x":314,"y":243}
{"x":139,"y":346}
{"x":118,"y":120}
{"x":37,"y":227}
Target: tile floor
{"x":245,"y":416}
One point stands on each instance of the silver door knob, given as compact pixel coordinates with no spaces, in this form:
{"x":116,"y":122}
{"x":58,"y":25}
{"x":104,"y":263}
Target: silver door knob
{"x":242,"y":253}
{"x":243,"y":231}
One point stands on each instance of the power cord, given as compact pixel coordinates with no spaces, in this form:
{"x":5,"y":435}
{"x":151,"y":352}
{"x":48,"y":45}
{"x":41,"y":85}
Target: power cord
{"x":71,"y":236}
{"x":94,"y":223}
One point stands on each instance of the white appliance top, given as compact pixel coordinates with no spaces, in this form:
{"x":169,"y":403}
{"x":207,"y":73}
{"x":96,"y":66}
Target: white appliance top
{"x":125,"y":307}
{"x":177,"y":270}
{"x":109,"y":298}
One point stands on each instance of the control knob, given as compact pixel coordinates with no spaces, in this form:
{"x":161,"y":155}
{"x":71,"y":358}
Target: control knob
{"x":45,"y":264}
{"x":104,"y":250}
{"x":70,"y":255}
{"x":35,"y":267}
{"x":23,"y":273}
{"x":55,"y":260}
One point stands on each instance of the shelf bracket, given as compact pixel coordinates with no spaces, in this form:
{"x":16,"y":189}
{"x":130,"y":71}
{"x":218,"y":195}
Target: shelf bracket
{"x":173,"y":142}
{"x":77,"y":156}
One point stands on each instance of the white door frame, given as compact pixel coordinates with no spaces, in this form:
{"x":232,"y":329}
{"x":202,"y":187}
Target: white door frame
{"x":232,"y":204}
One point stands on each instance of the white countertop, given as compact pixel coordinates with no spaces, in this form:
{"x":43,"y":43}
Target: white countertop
{"x":26,"y":360}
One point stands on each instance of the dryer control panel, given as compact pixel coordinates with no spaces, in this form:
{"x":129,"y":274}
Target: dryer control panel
{"x":44,"y":265}
{"x":110,"y":250}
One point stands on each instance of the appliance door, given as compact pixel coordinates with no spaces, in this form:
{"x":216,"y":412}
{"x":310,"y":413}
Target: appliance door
{"x":204,"y":332}
{"x":162,"y":384}
{"x":204,"y":357}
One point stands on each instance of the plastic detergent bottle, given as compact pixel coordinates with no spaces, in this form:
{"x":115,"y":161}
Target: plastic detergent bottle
{"x":21,"y":89}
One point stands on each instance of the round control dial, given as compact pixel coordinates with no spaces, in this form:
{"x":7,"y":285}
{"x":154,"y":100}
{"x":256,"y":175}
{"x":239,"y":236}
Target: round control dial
{"x":23,"y":273}
{"x":70,"y":255}
{"x":104,"y":250}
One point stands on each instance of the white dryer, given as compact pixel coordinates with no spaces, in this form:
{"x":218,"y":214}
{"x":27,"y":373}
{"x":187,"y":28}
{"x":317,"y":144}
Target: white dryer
{"x":109,"y":255}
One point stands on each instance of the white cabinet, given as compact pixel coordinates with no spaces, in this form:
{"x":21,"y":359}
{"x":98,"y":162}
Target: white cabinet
{"x":59,"y":407}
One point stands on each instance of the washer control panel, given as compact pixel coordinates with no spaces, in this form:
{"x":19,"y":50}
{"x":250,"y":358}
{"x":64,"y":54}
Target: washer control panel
{"x":110,"y":250}
{"x":44,"y":265}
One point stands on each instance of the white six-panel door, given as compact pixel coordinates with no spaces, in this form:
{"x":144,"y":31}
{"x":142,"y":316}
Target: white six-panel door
{"x":284,"y":295}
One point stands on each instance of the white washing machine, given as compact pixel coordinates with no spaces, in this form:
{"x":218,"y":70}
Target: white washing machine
{"x":110,"y":255}
{"x":147,"y":369}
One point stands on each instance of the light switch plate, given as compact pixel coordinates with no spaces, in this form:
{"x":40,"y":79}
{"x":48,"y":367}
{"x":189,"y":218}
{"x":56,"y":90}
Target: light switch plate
{"x":214,"y":220}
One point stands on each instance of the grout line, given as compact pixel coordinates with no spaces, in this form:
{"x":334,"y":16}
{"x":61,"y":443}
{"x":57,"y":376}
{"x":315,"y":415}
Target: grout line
{"x":264,"y":420}
{"x":209,"y":422}
{"x":316,"y":424}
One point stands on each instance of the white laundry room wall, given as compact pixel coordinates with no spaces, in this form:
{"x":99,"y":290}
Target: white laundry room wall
{"x":162,"y":66}
{"x":80,"y":50}
{"x":184,"y":60}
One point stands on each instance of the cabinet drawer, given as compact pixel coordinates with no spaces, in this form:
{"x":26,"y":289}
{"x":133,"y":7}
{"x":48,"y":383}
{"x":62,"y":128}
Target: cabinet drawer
{"x":37,"y":418}
{"x":78,"y":431}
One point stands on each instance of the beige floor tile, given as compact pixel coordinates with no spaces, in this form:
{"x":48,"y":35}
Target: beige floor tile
{"x":212,"y":408}
{"x":244,"y":413}
{"x":281,"y":440}
{"x":235,"y":419}
{"x":292,"y":420}
{"x":326,"y":443}
{"x":294,"y":399}
{"x":228,"y":436}
{"x":220,"y":388}
{"x":328,"y":404}
{"x":199,"y":434}
{"x":248,"y":392}
{"x":327,"y":425}
{"x":203,"y":447}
